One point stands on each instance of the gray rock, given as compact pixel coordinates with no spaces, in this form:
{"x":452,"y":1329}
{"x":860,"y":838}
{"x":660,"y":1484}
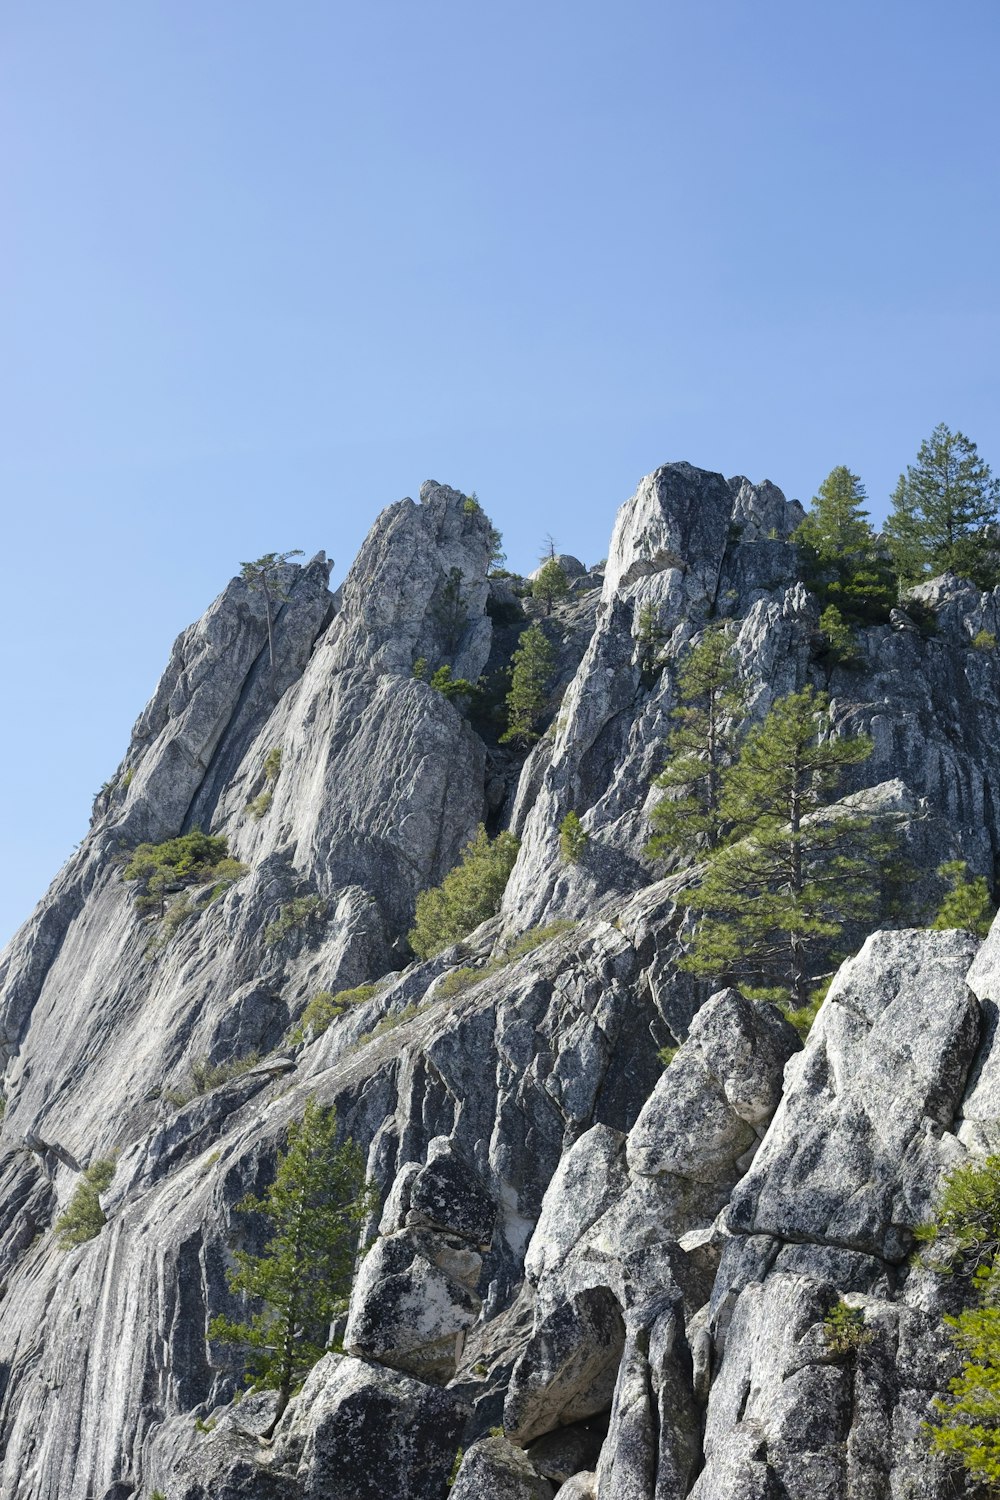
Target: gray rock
{"x":856,"y":1150}
{"x":568,"y":1370}
{"x":711,"y":1105}
{"x":497,"y":1468}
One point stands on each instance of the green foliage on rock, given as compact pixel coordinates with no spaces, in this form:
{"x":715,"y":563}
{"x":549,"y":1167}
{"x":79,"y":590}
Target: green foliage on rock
{"x":963,"y":1239}
{"x":984,"y":640}
{"x":841,"y":642}
{"x":205,"y":1076}
{"x":968,"y":904}
{"x":456,"y":689}
{"x":263,"y":576}
{"x":191,"y":859}
{"x":649,"y":639}
{"x":773,"y":902}
{"x":84,"y":1216}
{"x":550,"y":585}
{"x":533,"y":663}
{"x":302,"y":1279}
{"x":842,"y":562}
{"x":323,"y":1009}
{"x":944,"y":511}
{"x":260,"y":805}
{"x":711,"y":702}
{"x":573,"y":838}
{"x":294,"y":915}
{"x":468,"y":895}
{"x":845,"y":1330}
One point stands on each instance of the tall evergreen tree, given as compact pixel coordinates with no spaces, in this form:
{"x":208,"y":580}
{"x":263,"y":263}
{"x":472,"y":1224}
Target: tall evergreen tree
{"x":773,"y":903}
{"x":942,"y":506}
{"x":533,"y":663}
{"x":711,"y":703}
{"x":315,"y":1207}
{"x":842,"y":561}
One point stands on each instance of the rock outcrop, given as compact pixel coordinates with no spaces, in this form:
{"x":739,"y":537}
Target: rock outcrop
{"x":595,"y":1274}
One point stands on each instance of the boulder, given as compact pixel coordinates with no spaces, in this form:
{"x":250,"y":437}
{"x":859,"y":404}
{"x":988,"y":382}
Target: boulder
{"x":497,"y":1468}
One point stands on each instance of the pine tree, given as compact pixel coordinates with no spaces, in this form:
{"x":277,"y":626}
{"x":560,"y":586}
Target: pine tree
{"x":773,"y":903}
{"x":469,"y":894}
{"x":942,"y":507}
{"x":842,"y":561}
{"x":315,"y":1207}
{"x":967,"y":906}
{"x":550,"y":585}
{"x":649,"y":637}
{"x":533,"y":663}
{"x":711,"y":703}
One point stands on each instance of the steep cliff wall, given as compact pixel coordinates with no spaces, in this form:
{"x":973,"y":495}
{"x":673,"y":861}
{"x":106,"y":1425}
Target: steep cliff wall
{"x":625,"y":1268}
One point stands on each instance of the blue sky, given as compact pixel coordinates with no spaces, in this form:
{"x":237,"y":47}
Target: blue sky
{"x":265,"y":268}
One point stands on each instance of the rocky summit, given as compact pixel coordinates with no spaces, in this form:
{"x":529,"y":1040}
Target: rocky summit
{"x":616,"y":1205}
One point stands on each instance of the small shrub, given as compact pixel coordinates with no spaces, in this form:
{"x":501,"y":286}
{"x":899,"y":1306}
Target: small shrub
{"x":205,"y":1076}
{"x":471,"y":505}
{"x":845,"y":1329}
{"x":261,"y":804}
{"x":127,"y":778}
{"x":965,"y":1230}
{"x":272,"y":764}
{"x":459,"y":1455}
{"x":468,"y":895}
{"x":84,"y":1216}
{"x":666,"y":1055}
{"x":803,"y":1016}
{"x":967,"y":906}
{"x":497,"y":1432}
{"x":301,"y":911}
{"x":192,"y":859}
{"x":984,"y":640}
{"x":573,"y":839}
{"x":420,"y":669}
{"x":200,"y":1426}
{"x":323,"y":1009}
{"x":157,"y":1495}
{"x":457,"y":981}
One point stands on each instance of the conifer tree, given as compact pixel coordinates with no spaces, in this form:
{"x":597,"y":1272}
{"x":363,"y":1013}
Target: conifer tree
{"x":942,"y":507}
{"x":773,"y":903}
{"x":711,"y":702}
{"x":841,"y":558}
{"x":550,"y":585}
{"x":533,"y":662}
{"x":470,"y":893}
{"x":967,"y":906}
{"x":649,"y":637}
{"x":301,"y":1281}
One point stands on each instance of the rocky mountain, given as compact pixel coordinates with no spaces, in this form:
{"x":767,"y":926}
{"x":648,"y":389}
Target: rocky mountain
{"x":597,"y":1277}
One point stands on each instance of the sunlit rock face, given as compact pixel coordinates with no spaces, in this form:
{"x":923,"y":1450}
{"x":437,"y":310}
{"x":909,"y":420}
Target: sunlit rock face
{"x":598,"y":1277}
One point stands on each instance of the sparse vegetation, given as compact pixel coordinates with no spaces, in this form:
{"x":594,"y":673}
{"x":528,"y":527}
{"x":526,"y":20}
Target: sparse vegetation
{"x":389,"y":1023}
{"x":962,"y":1240}
{"x":84,"y":1217}
{"x":984,"y":640}
{"x":205,"y":1076}
{"x":968,"y":905}
{"x":468,"y":895}
{"x":323,"y":1009}
{"x":457,"y":981}
{"x":301,"y":912}
{"x":573,"y":838}
{"x":192,"y":859}
{"x":261,"y":804}
{"x":845,"y":1329}
{"x":666,"y":1055}
{"x":263,"y":576}
{"x":649,"y":638}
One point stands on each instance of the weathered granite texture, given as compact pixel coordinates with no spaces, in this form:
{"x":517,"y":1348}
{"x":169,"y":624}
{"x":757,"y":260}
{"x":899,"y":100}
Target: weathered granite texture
{"x":623,"y":1266}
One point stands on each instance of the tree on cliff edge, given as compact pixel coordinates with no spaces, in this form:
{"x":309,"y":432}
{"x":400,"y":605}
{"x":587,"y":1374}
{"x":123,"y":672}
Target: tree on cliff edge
{"x":315,"y":1207}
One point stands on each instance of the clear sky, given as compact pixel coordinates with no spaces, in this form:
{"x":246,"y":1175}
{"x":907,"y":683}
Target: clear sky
{"x":264,"y":267}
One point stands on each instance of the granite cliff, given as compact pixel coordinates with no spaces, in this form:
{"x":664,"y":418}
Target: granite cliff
{"x":598,"y":1278}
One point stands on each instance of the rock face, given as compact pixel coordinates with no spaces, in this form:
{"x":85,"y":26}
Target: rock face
{"x":593,"y":1275}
